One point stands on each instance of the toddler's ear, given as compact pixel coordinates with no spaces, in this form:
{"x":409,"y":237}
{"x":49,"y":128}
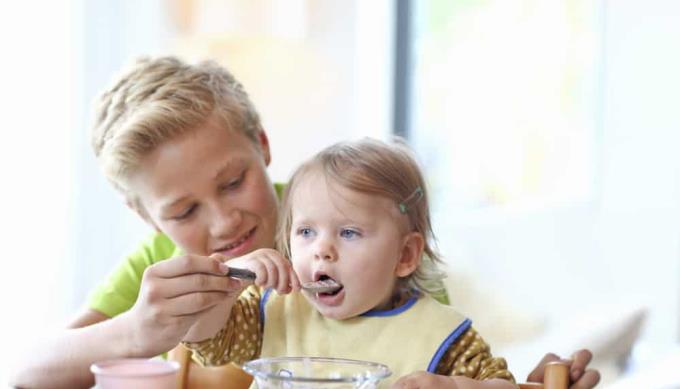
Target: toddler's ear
{"x":411,"y":254}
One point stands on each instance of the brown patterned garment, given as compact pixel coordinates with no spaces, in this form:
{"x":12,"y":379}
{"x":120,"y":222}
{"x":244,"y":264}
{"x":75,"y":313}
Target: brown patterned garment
{"x":240,"y":340}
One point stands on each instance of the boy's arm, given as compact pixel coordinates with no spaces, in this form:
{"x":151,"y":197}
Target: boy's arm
{"x":173,"y":294}
{"x":62,"y":360}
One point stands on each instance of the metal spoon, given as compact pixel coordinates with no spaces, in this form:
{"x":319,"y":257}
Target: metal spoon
{"x":321,"y":286}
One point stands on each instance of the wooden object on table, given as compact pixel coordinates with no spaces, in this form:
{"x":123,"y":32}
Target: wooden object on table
{"x":556,"y":376}
{"x":531,"y":385}
{"x":194,"y":376}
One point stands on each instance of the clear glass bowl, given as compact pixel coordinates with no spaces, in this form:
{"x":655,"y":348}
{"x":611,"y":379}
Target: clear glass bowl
{"x":315,"y":373}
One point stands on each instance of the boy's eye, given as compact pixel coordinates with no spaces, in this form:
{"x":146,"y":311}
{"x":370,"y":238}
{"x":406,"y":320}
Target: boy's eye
{"x":348,"y":233}
{"x":234,"y":183}
{"x":185,"y":214}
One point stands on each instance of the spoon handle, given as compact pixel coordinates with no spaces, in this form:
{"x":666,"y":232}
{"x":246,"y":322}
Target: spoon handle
{"x":243,"y":274}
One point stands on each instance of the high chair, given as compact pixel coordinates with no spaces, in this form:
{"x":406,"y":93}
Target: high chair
{"x":194,"y":376}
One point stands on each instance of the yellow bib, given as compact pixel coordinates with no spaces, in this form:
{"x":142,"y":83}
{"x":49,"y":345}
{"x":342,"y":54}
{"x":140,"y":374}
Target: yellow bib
{"x":412,"y":337}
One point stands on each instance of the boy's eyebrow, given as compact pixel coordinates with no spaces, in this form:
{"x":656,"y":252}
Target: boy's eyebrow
{"x":173,"y":203}
{"x":227,"y":166}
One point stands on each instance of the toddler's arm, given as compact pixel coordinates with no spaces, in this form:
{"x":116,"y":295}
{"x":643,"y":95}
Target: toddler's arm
{"x":423,"y":380}
{"x":470,"y":356}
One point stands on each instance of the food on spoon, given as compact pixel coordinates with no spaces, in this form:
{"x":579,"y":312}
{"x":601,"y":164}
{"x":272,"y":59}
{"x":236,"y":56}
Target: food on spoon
{"x":327,"y":285}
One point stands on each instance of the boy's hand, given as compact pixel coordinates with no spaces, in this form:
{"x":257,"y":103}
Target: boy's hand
{"x":580,"y":377}
{"x":173,"y":295}
{"x":425,"y":380}
{"x":273,"y":270}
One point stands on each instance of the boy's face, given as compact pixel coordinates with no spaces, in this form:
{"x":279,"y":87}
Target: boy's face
{"x":353,"y":238}
{"x":209,"y":191}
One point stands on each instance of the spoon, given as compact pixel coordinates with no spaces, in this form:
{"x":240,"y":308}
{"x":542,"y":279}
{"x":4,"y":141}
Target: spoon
{"x":321,"y":286}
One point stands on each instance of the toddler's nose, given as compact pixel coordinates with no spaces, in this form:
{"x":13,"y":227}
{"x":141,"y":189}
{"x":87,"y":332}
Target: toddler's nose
{"x":325,"y":250}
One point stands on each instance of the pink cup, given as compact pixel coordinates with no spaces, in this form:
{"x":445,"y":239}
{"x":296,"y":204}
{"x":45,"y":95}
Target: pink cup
{"x":135,"y":373}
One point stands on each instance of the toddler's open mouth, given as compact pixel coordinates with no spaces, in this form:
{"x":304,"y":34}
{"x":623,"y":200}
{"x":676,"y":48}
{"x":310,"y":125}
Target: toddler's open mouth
{"x":324,"y":286}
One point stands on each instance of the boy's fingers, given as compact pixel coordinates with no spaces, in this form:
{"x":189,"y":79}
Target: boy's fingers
{"x":588,"y":381}
{"x":200,"y":282}
{"x":186,"y":264}
{"x":194,"y":303}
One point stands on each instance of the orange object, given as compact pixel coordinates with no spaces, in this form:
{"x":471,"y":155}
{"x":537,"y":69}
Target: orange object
{"x":531,"y":385}
{"x":556,"y":376}
{"x":194,"y":376}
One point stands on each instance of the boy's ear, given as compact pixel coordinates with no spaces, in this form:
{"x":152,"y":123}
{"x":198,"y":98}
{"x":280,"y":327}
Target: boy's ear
{"x":263,"y":143}
{"x":411,"y":254}
{"x":141,"y":211}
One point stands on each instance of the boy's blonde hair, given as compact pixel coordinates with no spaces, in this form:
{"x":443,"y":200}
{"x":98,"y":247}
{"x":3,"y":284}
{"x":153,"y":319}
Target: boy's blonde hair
{"x":158,"y":99}
{"x":377,"y":168}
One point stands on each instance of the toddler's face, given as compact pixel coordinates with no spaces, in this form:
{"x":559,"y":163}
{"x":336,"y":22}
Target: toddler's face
{"x":209,"y":192}
{"x":350,"y":237}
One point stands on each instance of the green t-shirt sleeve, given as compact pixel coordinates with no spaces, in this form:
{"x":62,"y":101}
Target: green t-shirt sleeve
{"x":119,"y":291}
{"x":279,"y":187}
{"x":442,"y":294}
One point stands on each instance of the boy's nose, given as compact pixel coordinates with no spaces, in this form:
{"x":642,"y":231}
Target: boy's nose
{"x":225,"y":222}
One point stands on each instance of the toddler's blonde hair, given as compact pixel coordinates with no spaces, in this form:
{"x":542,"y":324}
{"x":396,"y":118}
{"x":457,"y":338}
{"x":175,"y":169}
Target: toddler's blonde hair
{"x":382,"y":169}
{"x":158,"y":99}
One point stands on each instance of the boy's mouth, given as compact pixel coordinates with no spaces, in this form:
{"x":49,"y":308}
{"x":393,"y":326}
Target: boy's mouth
{"x":234,"y":246}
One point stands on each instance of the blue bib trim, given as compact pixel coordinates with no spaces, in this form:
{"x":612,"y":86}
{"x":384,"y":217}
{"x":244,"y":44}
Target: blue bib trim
{"x":263,"y":302}
{"x":394,"y":311}
{"x":464,"y":326}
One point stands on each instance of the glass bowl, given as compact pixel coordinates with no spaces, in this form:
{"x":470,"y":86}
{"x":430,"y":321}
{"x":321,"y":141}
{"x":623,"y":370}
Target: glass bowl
{"x":315,"y":372}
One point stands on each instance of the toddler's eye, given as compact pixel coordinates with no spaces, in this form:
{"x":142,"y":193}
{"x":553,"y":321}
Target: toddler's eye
{"x":349,"y":233}
{"x":305,"y":232}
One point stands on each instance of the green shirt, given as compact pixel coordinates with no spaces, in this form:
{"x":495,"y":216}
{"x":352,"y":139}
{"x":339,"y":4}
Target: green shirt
{"x":119,"y":291}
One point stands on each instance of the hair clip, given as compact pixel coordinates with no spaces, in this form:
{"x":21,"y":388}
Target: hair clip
{"x":412,"y":198}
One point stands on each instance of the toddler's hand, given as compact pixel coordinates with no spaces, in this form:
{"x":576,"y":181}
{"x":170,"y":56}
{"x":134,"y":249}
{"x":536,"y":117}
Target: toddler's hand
{"x":580,"y":376}
{"x":272,"y":270}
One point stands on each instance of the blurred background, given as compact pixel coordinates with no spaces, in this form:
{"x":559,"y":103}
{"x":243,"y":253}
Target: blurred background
{"x":548,"y":130}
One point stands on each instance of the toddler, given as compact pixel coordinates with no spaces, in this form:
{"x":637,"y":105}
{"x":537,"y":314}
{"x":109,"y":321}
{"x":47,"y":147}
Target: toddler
{"x":355,"y":217}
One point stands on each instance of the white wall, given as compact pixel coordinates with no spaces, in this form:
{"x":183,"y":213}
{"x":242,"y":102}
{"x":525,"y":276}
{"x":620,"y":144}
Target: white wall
{"x":641,"y":159}
{"x":36,"y":96}
{"x":112,"y":35}
{"x":621,"y":247}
